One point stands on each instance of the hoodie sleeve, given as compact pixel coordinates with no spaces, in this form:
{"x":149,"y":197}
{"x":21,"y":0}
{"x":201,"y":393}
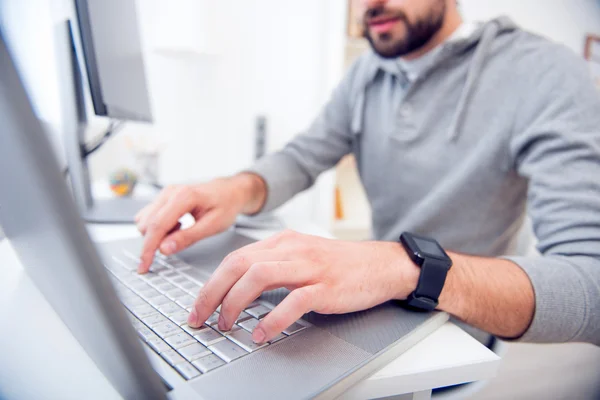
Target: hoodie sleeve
{"x":556,"y":146}
{"x":296,"y":167}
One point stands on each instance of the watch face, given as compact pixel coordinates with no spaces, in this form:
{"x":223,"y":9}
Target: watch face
{"x":429,"y":248}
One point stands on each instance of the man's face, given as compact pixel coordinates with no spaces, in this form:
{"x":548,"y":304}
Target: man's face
{"x":398,"y":27}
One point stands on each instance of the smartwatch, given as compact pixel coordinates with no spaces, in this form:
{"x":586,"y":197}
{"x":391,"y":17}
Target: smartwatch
{"x":434,"y":264}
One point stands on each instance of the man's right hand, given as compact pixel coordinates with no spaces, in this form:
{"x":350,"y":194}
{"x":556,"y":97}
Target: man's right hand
{"x":214,"y":206}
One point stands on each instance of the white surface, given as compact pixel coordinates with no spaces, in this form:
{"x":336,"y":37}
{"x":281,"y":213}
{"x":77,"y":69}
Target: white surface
{"x":44,"y":356}
{"x":564,"y":21}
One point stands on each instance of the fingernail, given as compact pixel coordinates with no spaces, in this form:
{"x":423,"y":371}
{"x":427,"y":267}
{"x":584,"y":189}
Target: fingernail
{"x":258,"y":336}
{"x":193,"y":319}
{"x":168,"y":247}
{"x":222,"y":323}
{"x":140,"y":269}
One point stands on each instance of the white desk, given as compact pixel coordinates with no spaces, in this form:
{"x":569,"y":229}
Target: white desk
{"x":41,"y":359}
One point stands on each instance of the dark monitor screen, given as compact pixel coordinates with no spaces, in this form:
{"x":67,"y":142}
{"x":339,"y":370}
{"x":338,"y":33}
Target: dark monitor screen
{"x":112,"y":48}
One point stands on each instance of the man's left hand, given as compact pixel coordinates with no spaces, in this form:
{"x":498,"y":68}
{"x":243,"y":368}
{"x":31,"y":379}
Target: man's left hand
{"x":326,"y":276}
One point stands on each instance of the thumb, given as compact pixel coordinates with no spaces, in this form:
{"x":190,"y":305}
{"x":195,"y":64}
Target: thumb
{"x":208,"y":225}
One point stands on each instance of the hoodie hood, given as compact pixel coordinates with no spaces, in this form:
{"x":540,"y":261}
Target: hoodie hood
{"x":478,"y":42}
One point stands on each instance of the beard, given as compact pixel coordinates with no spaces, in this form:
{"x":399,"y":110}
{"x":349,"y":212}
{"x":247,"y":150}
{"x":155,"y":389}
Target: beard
{"x":418,"y":33}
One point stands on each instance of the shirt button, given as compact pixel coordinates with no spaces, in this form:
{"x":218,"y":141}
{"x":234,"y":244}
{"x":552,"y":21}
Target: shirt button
{"x":406,"y":111}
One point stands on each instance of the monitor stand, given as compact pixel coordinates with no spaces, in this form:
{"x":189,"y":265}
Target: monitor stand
{"x":108,"y":210}
{"x":114,"y":211}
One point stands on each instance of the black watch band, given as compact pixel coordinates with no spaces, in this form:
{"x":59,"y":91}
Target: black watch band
{"x":430,"y":285}
{"x":434,"y":264}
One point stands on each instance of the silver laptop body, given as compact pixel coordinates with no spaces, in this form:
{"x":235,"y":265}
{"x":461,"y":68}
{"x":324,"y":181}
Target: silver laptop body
{"x":321,"y":356}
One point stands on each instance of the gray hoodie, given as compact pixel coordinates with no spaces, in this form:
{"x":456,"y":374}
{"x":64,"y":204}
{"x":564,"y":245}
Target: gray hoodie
{"x":502,"y":123}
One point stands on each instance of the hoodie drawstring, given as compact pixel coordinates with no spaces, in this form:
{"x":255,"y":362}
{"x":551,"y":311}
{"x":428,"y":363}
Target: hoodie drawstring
{"x":473,"y":74}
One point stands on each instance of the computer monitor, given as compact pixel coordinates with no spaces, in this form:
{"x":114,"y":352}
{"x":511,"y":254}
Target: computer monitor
{"x":114,"y":61}
{"x":111,"y":49}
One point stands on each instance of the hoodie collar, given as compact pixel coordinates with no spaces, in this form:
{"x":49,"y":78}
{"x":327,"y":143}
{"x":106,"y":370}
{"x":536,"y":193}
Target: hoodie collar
{"x":410,"y":70}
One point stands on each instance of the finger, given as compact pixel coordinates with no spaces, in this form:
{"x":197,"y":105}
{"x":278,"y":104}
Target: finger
{"x":162,"y":222}
{"x":141,"y":219}
{"x":207,"y":225}
{"x":222,"y":280}
{"x":290,"y":310}
{"x":260,"y":277}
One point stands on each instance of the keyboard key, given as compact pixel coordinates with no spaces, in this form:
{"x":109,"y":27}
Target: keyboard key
{"x":179,"y":340}
{"x":178,"y":280}
{"x":243,"y":317}
{"x":249,"y":324}
{"x":148,"y":276}
{"x":259,"y":311}
{"x":294,"y":328}
{"x":195,"y":274}
{"x":131,"y":279}
{"x":143,"y":311}
{"x":185,"y":301}
{"x":169,"y":274}
{"x":164,"y":286}
{"x":227,"y":350}
{"x":208,"y":363}
{"x":148,"y":293}
{"x":155,"y":319}
{"x":193,"y":289}
{"x":187,"y":370}
{"x":174,"y":294}
{"x":158,"y":301}
{"x":180,"y":318}
{"x":176,"y":262}
{"x":133,"y":301}
{"x":193,"y":331}
{"x":225,"y":333}
{"x":158,"y":345}
{"x":157,"y":267}
{"x":193,"y":351}
{"x":213,"y":319}
{"x":169,"y":308}
{"x":136,"y":323}
{"x":172,"y":357}
{"x":138,"y":285}
{"x":166,"y":329}
{"x":188,"y":285}
{"x":146,"y":334}
{"x":244,"y":339}
{"x":209,"y":337}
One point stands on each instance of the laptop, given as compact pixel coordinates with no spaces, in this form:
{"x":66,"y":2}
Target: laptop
{"x":133,"y":327}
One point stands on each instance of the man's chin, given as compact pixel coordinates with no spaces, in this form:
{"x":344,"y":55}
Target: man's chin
{"x":387,"y":51}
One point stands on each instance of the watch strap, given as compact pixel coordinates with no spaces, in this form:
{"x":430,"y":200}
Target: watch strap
{"x":430,"y":284}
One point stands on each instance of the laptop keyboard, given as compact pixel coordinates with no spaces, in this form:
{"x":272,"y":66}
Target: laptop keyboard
{"x":158,"y":305}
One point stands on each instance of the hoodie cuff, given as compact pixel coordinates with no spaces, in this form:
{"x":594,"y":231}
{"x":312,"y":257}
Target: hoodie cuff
{"x":560,"y":299}
{"x":282,"y":178}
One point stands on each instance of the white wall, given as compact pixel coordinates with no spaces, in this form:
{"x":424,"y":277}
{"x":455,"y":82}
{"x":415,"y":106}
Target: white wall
{"x":565,"y":21}
{"x":279,"y":58}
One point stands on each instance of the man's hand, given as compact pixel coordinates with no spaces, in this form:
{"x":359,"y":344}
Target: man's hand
{"x":213,"y":205}
{"x":326,"y":276}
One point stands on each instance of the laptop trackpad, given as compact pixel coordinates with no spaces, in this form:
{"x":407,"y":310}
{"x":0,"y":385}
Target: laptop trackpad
{"x":297,"y":367}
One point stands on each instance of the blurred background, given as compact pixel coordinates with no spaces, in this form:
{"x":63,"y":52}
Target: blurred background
{"x":215,"y":68}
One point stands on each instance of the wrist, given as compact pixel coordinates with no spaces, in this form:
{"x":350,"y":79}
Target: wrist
{"x":451,"y":299}
{"x":404,"y":273}
{"x":250,"y":190}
